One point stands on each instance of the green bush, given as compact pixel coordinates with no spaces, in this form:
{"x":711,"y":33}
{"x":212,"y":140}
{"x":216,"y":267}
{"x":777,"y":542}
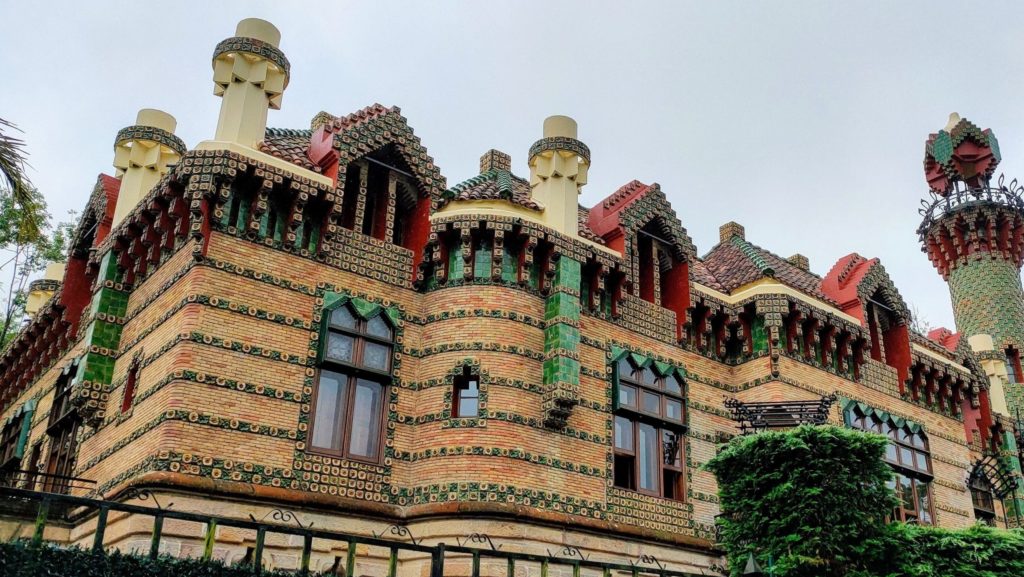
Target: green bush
{"x":22,"y":560}
{"x":814,"y":499}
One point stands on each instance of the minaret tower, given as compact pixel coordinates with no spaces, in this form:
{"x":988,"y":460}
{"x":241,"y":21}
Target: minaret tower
{"x":973,"y":232}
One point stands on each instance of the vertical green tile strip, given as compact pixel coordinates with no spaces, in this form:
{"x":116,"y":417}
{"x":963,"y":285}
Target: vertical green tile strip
{"x":1014,"y":503}
{"x":103,"y":338}
{"x":561,"y":343}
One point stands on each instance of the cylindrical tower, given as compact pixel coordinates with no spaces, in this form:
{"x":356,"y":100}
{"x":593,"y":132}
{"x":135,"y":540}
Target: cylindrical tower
{"x":973,"y":232}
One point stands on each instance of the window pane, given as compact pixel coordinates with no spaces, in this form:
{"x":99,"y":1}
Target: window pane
{"x":339,"y":347}
{"x":906,"y":493}
{"x":673,"y":385}
{"x":329,"y":411}
{"x":670,"y":448}
{"x":905,"y":436}
{"x":651,"y":403}
{"x":376,"y":356}
{"x":366,"y":413}
{"x":673,"y":410}
{"x":922,"y":460}
{"x":342,"y":317}
{"x":469,"y":395}
{"x":923,"y":503}
{"x":627,"y":396}
{"x":890,"y":452}
{"x":649,"y":378}
{"x":648,"y":454}
{"x":906,"y":457}
{"x":625,"y":369}
{"x":918,"y":440}
{"x":623,"y":433}
{"x":378,"y":327}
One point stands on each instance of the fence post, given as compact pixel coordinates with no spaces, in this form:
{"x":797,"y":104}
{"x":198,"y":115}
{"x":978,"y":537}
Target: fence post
{"x":511,"y":567}
{"x":211,"y":532}
{"x":101,"y":528}
{"x":476,"y":564}
{"x":350,"y":559}
{"x":44,"y":512}
{"x":257,"y":555}
{"x":437,"y":563}
{"x":154,"y":542}
{"x":307,"y":550}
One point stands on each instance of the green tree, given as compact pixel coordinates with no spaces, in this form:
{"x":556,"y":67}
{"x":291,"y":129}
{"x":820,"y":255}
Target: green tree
{"x":25,"y":250}
{"x":813,"y":499}
{"x":12,"y":169}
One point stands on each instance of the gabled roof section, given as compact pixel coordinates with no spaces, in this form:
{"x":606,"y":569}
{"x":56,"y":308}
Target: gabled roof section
{"x":855,"y":279}
{"x":634,"y":206}
{"x":372,"y":128}
{"x":700,"y":273}
{"x":494,"y":184}
{"x":945,"y":338}
{"x":736,"y":262}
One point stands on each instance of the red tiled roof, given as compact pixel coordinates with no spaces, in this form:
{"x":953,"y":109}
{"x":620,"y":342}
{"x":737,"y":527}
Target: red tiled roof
{"x":699,"y":272}
{"x":737,"y":262}
{"x":583,"y":215}
{"x":493,"y":185}
{"x":289,"y":145}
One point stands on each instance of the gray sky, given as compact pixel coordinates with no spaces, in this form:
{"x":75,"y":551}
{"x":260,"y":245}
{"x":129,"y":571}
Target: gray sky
{"x":803,"y":121}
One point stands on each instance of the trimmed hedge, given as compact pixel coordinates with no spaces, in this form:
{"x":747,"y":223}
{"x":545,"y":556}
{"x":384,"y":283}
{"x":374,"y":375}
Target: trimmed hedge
{"x":814,"y":500}
{"x":20,"y":559}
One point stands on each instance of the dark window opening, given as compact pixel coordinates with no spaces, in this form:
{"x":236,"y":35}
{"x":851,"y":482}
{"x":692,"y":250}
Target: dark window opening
{"x":63,"y":434}
{"x":1013,"y":369}
{"x":350,"y":198}
{"x":466,"y":396}
{"x":982,"y":497}
{"x":129,"y":388}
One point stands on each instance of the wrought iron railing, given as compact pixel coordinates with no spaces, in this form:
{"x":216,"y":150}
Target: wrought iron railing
{"x":755,"y":417}
{"x":394,"y":539}
{"x":936,"y":206}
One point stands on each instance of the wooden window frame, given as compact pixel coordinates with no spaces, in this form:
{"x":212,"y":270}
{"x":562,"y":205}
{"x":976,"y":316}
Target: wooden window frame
{"x":984,"y":508}
{"x":131,"y":381}
{"x":636,"y":416}
{"x":9,"y":437}
{"x":353,"y":371}
{"x":874,"y":424}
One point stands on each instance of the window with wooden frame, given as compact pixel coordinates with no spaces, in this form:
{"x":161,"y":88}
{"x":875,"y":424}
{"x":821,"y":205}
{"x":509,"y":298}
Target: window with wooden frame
{"x":63,"y":433}
{"x":351,"y":392}
{"x":1013,"y":370}
{"x":466,"y":395}
{"x":983,"y":497}
{"x":908,"y":454}
{"x":650,"y":421}
{"x":13,"y":436}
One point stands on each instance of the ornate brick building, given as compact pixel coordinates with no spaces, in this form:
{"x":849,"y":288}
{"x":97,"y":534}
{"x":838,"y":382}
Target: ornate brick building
{"x":312,"y":318}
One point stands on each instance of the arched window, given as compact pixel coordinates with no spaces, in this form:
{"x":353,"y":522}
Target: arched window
{"x":908,"y":455}
{"x":352,"y":387}
{"x":649,"y":426}
{"x":983,"y":497}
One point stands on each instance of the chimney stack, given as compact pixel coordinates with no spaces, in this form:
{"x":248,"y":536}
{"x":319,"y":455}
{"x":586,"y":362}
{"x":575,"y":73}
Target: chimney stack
{"x":800,"y":261}
{"x":495,"y":160}
{"x":729,"y":230}
{"x":250,"y":73}
{"x":143,"y":154}
{"x":558,"y":170}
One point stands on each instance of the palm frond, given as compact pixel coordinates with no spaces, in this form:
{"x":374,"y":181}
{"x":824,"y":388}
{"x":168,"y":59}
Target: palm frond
{"x":12,"y":168}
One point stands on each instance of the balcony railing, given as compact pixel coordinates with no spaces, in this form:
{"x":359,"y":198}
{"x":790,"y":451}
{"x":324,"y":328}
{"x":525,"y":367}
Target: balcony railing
{"x":469,"y":553}
{"x":756,"y":417}
{"x":936,"y":206}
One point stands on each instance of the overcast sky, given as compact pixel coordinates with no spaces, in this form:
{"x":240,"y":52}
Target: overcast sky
{"x":803,"y":121}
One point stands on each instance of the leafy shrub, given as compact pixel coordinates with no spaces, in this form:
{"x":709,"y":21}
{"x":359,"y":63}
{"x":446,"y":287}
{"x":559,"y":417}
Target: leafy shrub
{"x":22,"y":560}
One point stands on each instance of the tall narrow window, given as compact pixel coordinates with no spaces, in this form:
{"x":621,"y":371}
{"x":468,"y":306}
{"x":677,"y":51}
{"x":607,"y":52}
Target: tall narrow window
{"x":649,"y":425}
{"x":1013,"y":365}
{"x":982,"y":497}
{"x":63,"y":434}
{"x":907,"y":453}
{"x":129,"y":387}
{"x":351,"y":392}
{"x":11,"y":446}
{"x":466,"y":396}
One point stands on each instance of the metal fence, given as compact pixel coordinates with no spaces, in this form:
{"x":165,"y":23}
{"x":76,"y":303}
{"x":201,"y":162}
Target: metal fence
{"x":469,"y":554}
